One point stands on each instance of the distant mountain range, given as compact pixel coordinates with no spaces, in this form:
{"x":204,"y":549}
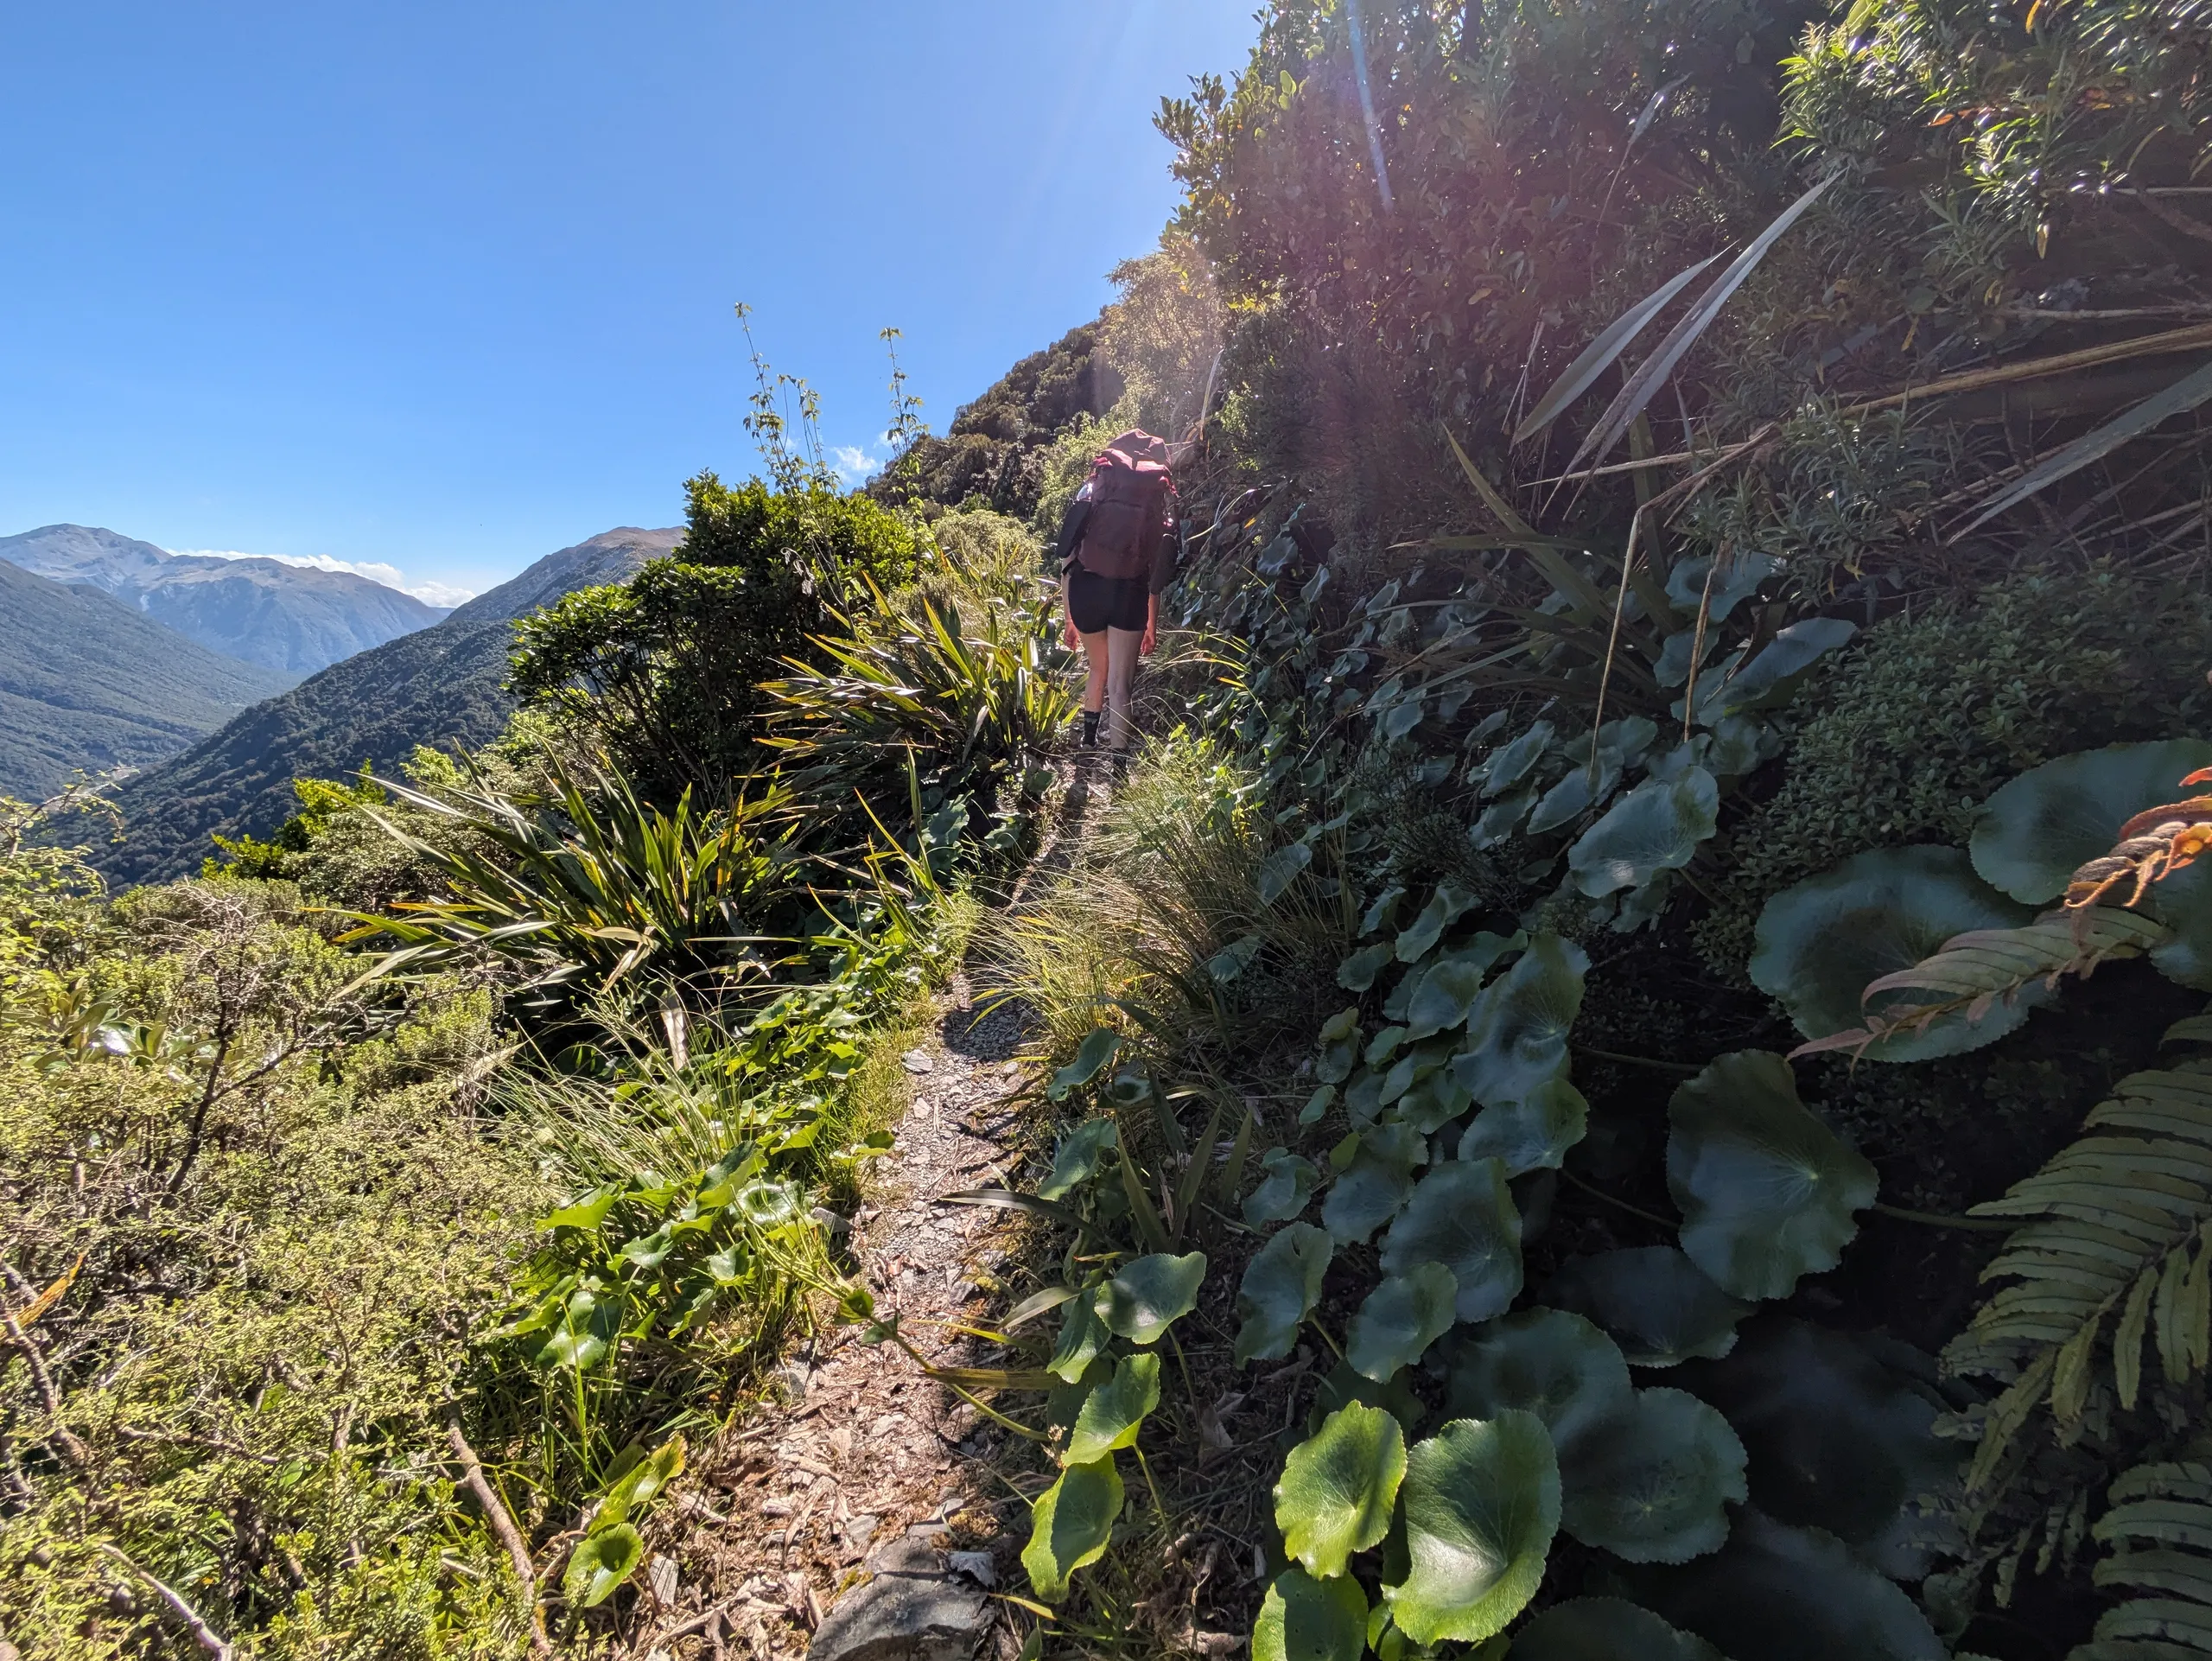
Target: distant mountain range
{"x":86,"y":682}
{"x":291,"y":618}
{"x":439,"y":685}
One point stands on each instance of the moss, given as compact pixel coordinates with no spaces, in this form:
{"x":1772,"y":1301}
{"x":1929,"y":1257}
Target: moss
{"x":1904,"y":740}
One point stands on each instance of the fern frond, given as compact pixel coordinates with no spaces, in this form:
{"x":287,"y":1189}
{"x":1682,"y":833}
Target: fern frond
{"x":1976,"y":971}
{"x":2114,"y":1252}
{"x":2159,"y":1524}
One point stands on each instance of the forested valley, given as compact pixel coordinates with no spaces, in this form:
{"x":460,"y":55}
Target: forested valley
{"x":1622,"y":1076}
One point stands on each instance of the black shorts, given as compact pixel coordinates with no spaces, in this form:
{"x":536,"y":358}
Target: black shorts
{"x":1102,"y":602}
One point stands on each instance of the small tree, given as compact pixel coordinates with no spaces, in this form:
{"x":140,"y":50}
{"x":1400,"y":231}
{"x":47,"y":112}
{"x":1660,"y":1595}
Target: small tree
{"x":663,"y":671}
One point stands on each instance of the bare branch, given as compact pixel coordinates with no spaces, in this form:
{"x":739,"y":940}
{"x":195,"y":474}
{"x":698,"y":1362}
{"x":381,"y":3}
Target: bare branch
{"x":503,"y":1526}
{"x":203,"y":1634}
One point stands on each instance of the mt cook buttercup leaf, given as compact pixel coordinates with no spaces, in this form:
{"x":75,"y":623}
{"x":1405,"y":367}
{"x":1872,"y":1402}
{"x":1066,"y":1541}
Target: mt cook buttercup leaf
{"x":600,"y":1563}
{"x":1818,"y":944}
{"x":1305,"y":1620}
{"x":1658,"y":1306}
{"x":1071,"y":1526}
{"x":1605,"y":1629}
{"x":2036,"y":830}
{"x":1338,"y":1487}
{"x":1516,"y":1032}
{"x":1281,"y":1287}
{"x":1114,"y":1411}
{"x":1531,"y":1134}
{"x":1547,"y":1362}
{"x":1779,"y":1593}
{"x":1482,"y":1505}
{"x":1446,"y":907}
{"x":1402,"y":1317}
{"x":1652,"y":1482}
{"x":1462,"y":1215}
{"x":1655,"y":827}
{"x":1766,"y":1190}
{"x":1838,"y":1438}
{"x":1150,"y":1295}
{"x":1374,"y":1185}
{"x":1286,"y":1182}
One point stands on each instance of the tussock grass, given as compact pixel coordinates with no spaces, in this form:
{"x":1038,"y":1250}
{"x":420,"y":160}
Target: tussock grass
{"x":1148,"y":927}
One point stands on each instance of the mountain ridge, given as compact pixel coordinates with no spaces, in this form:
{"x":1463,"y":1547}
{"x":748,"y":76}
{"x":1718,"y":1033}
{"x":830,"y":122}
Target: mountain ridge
{"x":439,"y":685}
{"x":86,"y":682}
{"x":298,"y":618}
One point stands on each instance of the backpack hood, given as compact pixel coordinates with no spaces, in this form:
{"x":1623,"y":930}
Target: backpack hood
{"x":1138,"y":445}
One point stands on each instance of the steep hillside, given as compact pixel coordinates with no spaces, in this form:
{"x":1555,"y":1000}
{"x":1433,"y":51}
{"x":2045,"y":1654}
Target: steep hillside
{"x":994,"y":450}
{"x":436,"y":687}
{"x":261,"y":611}
{"x":88,"y":683}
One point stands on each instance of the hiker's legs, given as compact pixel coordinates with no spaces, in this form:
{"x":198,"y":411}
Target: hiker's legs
{"x":1120,"y":655}
{"x":1094,"y":678}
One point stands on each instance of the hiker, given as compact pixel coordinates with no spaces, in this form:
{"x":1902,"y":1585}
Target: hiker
{"x":1117,"y":551}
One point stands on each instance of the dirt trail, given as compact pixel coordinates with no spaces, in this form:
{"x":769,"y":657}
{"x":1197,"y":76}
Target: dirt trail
{"x":866,"y":1466}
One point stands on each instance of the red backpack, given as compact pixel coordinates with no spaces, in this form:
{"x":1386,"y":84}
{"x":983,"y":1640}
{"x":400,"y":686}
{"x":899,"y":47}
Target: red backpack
{"x":1130,"y":488}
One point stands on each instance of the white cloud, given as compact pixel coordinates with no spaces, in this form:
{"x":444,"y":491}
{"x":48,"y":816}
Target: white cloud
{"x":856,"y":465}
{"x":430,"y":593}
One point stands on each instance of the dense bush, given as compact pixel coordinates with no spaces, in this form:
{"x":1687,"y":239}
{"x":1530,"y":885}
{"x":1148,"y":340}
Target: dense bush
{"x":662,"y":670}
{"x":989,"y":454}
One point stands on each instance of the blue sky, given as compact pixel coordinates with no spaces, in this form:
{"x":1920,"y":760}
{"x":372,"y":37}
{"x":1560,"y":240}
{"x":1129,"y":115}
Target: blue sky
{"x":443,"y":288}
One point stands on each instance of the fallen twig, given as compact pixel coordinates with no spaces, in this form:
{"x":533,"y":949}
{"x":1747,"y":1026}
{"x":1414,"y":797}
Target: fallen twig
{"x":503,"y":1526}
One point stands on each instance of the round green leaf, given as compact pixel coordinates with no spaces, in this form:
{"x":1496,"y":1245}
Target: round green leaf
{"x":1338,"y":1486}
{"x":1305,"y":1620}
{"x":635,"y":1489}
{"x":1446,"y":907}
{"x":600,"y":1563}
{"x":1837,"y":1439}
{"x":1071,"y":1526}
{"x":1440,"y":995}
{"x":1650,"y":1483}
{"x":1114,"y":1411}
{"x":1281,"y":1285}
{"x":1082,"y":1336}
{"x":1820,"y":943}
{"x":1606,"y":1629}
{"x":1091,"y":1056}
{"x":1779,"y":1593}
{"x":1789,"y":654}
{"x":1482,"y":1505}
{"x":1286,"y":1182}
{"x":1075,"y":1161}
{"x":1508,"y":763}
{"x":1517,"y":1032}
{"x":1445,"y":992}
{"x":1357,"y":972}
{"x":1374,"y":1185}
{"x":1531,"y":1134}
{"x":1547,"y":1362}
{"x":1462,"y":1216}
{"x":1433,"y":1101}
{"x":1151,"y":1295}
{"x":1766,"y":1190}
{"x":1655,"y":827}
{"x":1659,"y":1306}
{"x":2036,"y":830}
{"x":1402,"y":1317}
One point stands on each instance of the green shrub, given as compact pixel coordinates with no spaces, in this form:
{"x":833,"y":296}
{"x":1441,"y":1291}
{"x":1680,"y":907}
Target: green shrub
{"x":662,"y":670}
